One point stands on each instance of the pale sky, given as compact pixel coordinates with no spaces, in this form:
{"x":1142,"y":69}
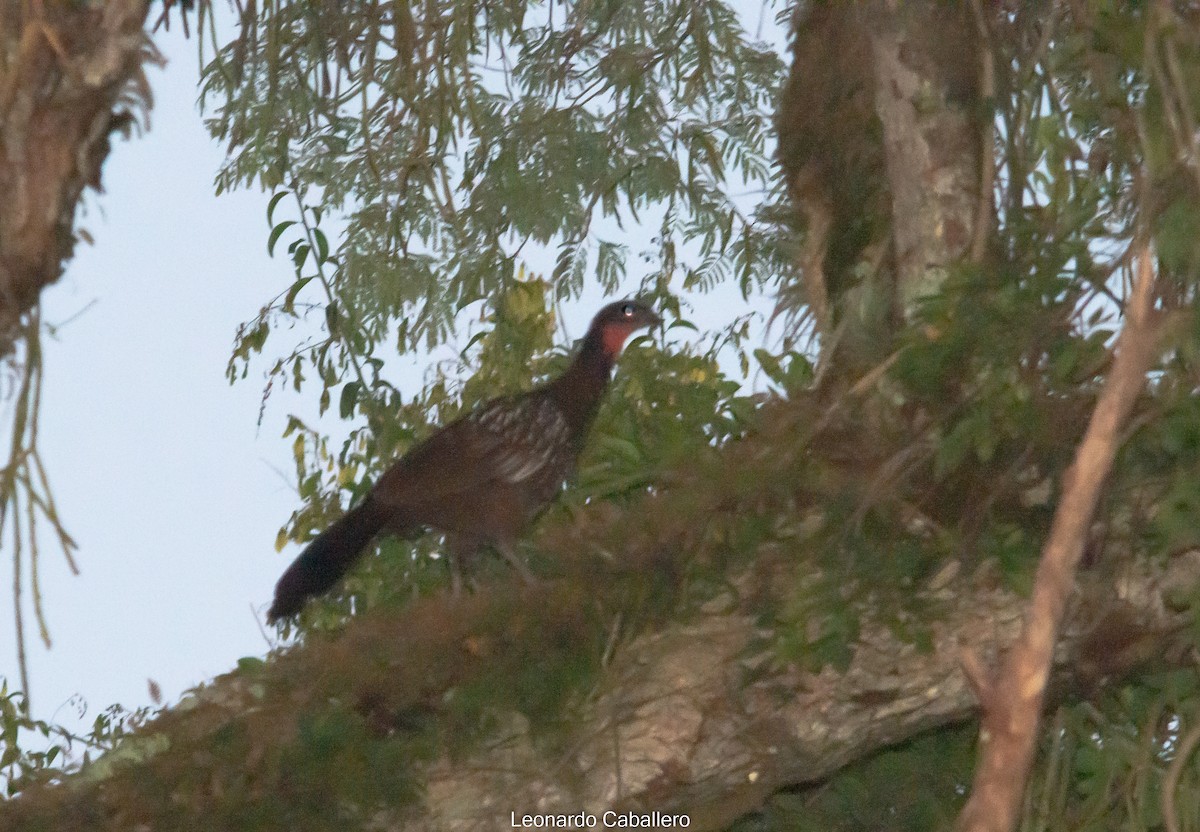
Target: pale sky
{"x":159,"y":471}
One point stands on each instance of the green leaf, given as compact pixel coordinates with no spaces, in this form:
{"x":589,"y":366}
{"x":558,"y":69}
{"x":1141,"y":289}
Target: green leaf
{"x":331,"y":317}
{"x":276,"y":233}
{"x":622,"y":448}
{"x":322,"y":245}
{"x":953,"y":448}
{"x":800,"y":372}
{"x":349,"y":398}
{"x":251,"y":664}
{"x":770,"y":365}
{"x":279,"y":195}
{"x":290,"y":298}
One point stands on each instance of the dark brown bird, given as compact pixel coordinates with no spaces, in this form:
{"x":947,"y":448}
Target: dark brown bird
{"x":481,"y":479}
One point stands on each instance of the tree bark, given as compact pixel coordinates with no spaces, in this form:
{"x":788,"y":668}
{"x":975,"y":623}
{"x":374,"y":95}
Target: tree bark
{"x":68,"y":76}
{"x":880,"y":141}
{"x":679,"y":729}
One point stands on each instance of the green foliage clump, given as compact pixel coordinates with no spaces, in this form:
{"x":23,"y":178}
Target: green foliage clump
{"x":508,"y":126}
{"x":19,"y":766}
{"x":64,"y":751}
{"x":917,"y":786}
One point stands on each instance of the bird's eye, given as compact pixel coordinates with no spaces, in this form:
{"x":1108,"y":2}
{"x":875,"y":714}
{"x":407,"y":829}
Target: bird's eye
{"x":627,"y":310}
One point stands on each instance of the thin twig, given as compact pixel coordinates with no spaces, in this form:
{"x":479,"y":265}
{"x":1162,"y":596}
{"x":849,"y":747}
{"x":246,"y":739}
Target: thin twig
{"x":8,"y":500}
{"x":22,"y":664}
{"x":326,"y":283}
{"x":1171,"y":782}
{"x":987,"y":137}
{"x":26,"y":496}
{"x":35,"y":583}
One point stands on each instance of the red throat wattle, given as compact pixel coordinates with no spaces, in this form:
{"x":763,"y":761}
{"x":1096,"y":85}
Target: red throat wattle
{"x":614,"y":336}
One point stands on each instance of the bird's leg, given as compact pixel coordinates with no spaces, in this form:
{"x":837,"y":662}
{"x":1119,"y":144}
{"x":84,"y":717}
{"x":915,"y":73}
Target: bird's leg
{"x":460,"y":555}
{"x":506,"y":551}
{"x":456,"y":576}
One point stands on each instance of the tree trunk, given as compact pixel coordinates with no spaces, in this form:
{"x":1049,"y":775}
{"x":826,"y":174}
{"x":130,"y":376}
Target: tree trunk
{"x":880,"y":141}
{"x":69,"y":75}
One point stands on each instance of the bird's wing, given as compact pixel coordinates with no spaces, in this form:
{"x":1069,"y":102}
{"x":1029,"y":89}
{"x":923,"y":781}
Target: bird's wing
{"x":528,"y":436}
{"x":504,"y":442}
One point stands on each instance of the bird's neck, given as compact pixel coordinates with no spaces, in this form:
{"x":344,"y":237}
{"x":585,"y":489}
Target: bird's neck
{"x":578,"y":390}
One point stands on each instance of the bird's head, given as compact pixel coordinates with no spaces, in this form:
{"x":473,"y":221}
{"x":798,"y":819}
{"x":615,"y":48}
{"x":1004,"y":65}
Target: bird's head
{"x":613,"y":324}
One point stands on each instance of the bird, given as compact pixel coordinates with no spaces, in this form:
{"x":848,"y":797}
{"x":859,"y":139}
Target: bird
{"x":480,"y":480}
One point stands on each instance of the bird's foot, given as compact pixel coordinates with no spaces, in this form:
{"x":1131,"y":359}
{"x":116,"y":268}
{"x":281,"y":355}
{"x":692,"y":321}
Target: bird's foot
{"x":519,"y":565}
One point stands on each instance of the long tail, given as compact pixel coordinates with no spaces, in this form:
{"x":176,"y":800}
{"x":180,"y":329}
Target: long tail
{"x":326,"y":559}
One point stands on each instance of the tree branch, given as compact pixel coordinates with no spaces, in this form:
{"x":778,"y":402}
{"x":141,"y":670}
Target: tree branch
{"x":1014,"y":697}
{"x":688,"y":719}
